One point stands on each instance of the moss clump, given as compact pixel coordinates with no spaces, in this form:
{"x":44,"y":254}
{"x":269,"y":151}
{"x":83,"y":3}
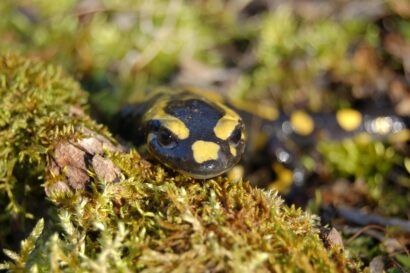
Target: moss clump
{"x":148,"y":221}
{"x":293,"y":55}
{"x":38,"y":103}
{"x":376,"y":163}
{"x":105,"y":43}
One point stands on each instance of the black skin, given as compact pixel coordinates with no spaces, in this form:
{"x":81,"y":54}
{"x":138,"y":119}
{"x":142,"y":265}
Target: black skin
{"x":201,"y":115}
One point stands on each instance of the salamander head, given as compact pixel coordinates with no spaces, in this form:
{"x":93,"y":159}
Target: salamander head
{"x":194,"y":136}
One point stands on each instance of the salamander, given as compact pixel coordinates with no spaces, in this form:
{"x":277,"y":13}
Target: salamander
{"x":203,"y":135}
{"x":279,"y":141}
{"x":184,"y":131}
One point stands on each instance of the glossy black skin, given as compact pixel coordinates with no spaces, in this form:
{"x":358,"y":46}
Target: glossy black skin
{"x":287,"y":146}
{"x":199,"y":115}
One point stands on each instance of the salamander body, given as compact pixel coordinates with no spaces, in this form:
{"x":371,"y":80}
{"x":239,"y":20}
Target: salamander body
{"x":203,"y":135}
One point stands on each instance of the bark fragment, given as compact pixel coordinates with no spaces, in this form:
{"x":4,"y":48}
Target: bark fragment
{"x":73,"y":162}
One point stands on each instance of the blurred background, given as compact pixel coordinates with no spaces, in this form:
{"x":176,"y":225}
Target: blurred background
{"x":316,"y":55}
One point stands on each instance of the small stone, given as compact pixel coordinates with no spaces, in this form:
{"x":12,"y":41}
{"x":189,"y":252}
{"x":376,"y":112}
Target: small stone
{"x":105,"y":143}
{"x":105,"y":169}
{"x":392,"y":245}
{"x":91,"y":145}
{"x":66,"y":154}
{"x":77,"y":178}
{"x":57,"y":188}
{"x":333,"y":239}
{"x":376,"y":265}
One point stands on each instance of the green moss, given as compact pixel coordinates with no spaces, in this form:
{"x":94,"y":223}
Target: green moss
{"x":279,"y":54}
{"x":129,"y":44}
{"x":294,"y":55}
{"x":376,"y":164}
{"x":27,"y":247}
{"x":149,"y":221}
{"x":37,"y":103}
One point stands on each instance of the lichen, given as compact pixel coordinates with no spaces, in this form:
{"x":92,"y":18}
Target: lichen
{"x":151,"y":219}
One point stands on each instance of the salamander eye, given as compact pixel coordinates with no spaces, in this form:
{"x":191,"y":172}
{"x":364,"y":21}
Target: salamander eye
{"x":166,"y":139}
{"x":236,"y":135}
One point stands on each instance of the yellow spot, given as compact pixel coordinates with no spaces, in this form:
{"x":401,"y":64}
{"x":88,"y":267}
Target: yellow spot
{"x":205,"y":150}
{"x":174,"y":124}
{"x":236,"y":173}
{"x":284,"y":178}
{"x":227,"y":123}
{"x":225,"y":127}
{"x":267,"y":112}
{"x":233,"y":150}
{"x":407,"y":164}
{"x":349,"y":119}
{"x":262,"y":110}
{"x":302,"y":123}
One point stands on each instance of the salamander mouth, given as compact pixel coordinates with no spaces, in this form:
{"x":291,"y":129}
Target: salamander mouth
{"x":205,"y":170}
{"x":204,"y":176}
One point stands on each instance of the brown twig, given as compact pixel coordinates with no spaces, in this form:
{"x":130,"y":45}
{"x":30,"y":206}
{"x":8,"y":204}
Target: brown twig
{"x":362,"y":230}
{"x":365,"y":219}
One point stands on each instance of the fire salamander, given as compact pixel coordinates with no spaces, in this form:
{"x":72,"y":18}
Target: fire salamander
{"x":203,"y":135}
{"x":186,"y":132}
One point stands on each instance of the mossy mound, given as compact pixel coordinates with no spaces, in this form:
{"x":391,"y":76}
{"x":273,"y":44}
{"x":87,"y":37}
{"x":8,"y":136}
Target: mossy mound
{"x":38,"y":105}
{"x":146,"y":219}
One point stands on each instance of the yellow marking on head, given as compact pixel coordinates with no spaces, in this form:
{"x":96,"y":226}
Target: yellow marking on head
{"x":349,"y":119}
{"x":262,"y":110}
{"x":302,"y":123}
{"x":204,"y":151}
{"x":150,"y":137}
{"x":227,"y":123}
{"x":225,"y":127}
{"x":174,"y":124}
{"x":233,"y":150}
